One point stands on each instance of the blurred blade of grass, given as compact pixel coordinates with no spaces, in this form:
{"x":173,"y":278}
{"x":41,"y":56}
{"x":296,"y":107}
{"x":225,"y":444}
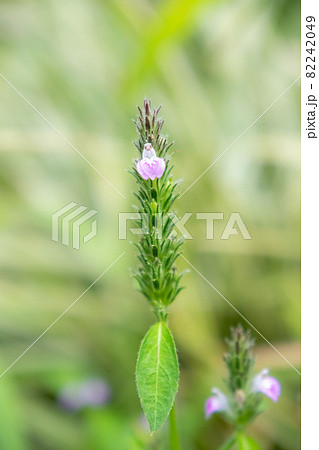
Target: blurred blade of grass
{"x":109,"y":430}
{"x":47,"y":423}
{"x":265,"y":357}
{"x":10,"y":423}
{"x":173,"y":22}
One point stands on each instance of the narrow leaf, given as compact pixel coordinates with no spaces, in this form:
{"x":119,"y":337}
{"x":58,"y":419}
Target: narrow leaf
{"x":157,"y":374}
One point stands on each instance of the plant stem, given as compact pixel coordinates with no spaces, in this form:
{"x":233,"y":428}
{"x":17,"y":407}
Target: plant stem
{"x":173,"y":434}
{"x":229,"y":444}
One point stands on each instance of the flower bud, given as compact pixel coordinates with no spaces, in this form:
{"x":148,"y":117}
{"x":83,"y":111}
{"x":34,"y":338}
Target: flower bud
{"x":240,"y":398}
{"x":153,"y":206}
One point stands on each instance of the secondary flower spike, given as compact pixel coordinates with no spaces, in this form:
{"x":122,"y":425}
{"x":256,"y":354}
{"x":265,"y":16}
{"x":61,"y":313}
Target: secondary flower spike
{"x":242,"y":403}
{"x":267,"y":385}
{"x":150,"y":167}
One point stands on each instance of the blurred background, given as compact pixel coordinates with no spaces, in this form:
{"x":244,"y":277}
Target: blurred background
{"x":215,"y":66}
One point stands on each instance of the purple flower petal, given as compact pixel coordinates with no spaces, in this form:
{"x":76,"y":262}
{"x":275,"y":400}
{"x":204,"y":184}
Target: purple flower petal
{"x":140,"y":169}
{"x":267,"y":385}
{"x":217,"y":402}
{"x":151,"y":167}
{"x":211,"y":406}
{"x":160,"y":167}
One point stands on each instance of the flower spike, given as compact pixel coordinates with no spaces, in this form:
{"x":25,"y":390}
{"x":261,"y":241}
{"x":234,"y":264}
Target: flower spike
{"x":242,"y":402}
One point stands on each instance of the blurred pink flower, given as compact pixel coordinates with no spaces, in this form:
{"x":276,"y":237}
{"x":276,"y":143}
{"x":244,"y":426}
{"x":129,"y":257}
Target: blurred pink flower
{"x":93,"y":392}
{"x":217,"y":402}
{"x":266,"y":384}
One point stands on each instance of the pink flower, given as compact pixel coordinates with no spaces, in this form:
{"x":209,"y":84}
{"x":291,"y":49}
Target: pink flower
{"x":267,"y":385}
{"x":217,"y":402}
{"x":150,"y":166}
{"x":93,"y":392}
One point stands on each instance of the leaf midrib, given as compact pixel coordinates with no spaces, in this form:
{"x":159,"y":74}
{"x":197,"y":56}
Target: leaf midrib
{"x":157,"y":370}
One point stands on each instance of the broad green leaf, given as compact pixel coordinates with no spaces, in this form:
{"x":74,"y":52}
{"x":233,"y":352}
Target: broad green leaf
{"x":246,"y":443}
{"x":157,"y":374}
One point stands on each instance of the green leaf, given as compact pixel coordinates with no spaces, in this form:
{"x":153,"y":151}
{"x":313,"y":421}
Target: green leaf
{"x":246,"y":443}
{"x":157,"y":374}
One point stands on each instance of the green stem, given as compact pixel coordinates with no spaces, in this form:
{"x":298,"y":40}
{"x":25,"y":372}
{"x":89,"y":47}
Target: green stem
{"x":229,"y":444}
{"x":173,"y":434}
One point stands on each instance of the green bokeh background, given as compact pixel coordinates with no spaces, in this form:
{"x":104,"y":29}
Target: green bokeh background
{"x":215,"y":66}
